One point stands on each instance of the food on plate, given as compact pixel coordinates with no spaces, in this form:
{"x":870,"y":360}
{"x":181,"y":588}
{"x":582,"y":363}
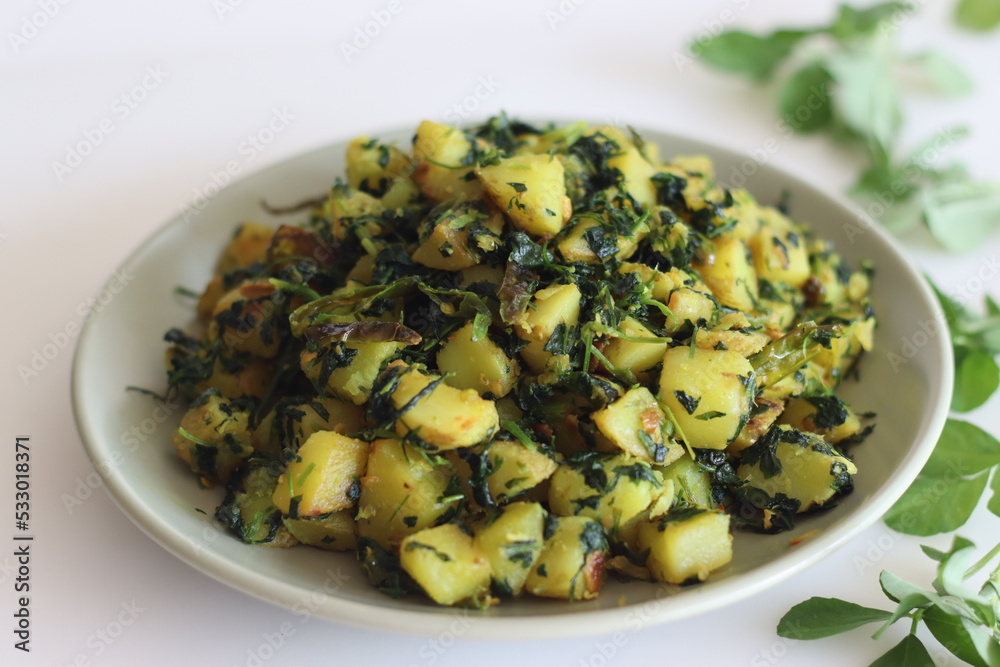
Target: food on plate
{"x":507,"y":360}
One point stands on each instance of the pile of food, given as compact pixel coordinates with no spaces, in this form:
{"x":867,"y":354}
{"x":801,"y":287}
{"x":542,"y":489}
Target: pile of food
{"x":513,"y":359}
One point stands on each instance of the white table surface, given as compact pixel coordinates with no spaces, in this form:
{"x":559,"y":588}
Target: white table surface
{"x":197,"y":79}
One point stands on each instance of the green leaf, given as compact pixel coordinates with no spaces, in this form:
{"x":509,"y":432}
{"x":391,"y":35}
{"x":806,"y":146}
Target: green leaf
{"x":896,"y":588}
{"x":934,"y":505}
{"x":804,"y":99}
{"x":852,"y":23}
{"x":866,"y":95}
{"x":908,"y":653}
{"x":963,"y":449}
{"x":940,"y":74}
{"x":978,"y":14}
{"x":962,"y":215}
{"x":751,"y":55}
{"x":977,"y":376}
{"x":994,"y":504}
{"x":965,"y":639}
{"x":823,"y":617}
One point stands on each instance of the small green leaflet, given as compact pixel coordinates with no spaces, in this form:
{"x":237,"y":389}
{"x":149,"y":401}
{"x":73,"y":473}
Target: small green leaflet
{"x":804,"y":99}
{"x":963,"y":621}
{"x":963,"y":449}
{"x":743,"y":53}
{"x":978,"y":14}
{"x":976,"y":342}
{"x":940,"y":74}
{"x":935,"y":505}
{"x":975,"y":205}
{"x":824,"y":617}
{"x":910,"y":652}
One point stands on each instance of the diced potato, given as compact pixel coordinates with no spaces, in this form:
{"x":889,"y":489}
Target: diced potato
{"x":345,"y":205}
{"x":247,"y":319}
{"x":780,"y":256}
{"x":353,"y":373}
{"x":687,"y":545}
{"x":635,"y":424}
{"x":745,"y":211}
{"x":512,"y":543}
{"x":442,"y":416}
{"x":514,"y":469}
{"x":709,"y":393}
{"x":613,"y":489}
{"x":635,"y":168}
{"x":811,"y":471}
{"x":725,"y":267}
{"x":574,"y":246}
{"x":571,"y":565}
{"x":540,"y":361}
{"x":691,"y":482}
{"x":661,"y":283}
{"x":733,"y":332}
{"x":827,"y":416}
{"x":324,"y":476}
{"x":447,"y":245}
{"x":638,"y":355}
{"x":402,"y":492}
{"x":248,"y":511}
{"x":477,"y":364}
{"x":441,"y":152}
{"x":531,"y":189}
{"x":371,"y":165}
{"x":550,"y":307}
{"x":689,"y":305}
{"x":763,"y":416}
{"x":331,"y":532}
{"x":248,"y":246}
{"x":214,"y":290}
{"x":446,"y":562}
{"x":213,"y":437}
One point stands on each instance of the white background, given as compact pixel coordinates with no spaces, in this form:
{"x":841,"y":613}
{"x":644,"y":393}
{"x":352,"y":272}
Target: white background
{"x":222,"y":71}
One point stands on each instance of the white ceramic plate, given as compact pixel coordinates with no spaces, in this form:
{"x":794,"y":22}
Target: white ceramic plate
{"x":127,"y":435}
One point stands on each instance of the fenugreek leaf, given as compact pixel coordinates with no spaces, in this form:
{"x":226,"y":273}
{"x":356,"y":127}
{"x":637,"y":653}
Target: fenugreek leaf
{"x":910,"y":652}
{"x":824,"y":617}
{"x":980,"y":15}
{"x":935,"y":505}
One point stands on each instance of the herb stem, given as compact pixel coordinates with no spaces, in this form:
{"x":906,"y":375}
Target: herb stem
{"x":982,"y":562}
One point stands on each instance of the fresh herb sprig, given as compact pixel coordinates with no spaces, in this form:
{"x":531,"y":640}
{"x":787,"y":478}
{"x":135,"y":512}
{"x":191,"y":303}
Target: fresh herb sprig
{"x":951,"y":484}
{"x":965,"y":621}
{"x":847,"y":79}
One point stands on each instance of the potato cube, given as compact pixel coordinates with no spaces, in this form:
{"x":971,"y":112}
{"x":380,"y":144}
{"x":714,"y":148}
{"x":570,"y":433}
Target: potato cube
{"x":442,"y":416}
{"x":571,"y":565}
{"x":531,"y":189}
{"x":725,"y":267}
{"x":401,"y":493}
{"x":687,"y":544}
{"x":709,"y":393}
{"x":331,"y":532}
{"x":324,"y":476}
{"x":512,"y":543}
{"x":550,"y":307}
{"x":447,"y":564}
{"x":634,"y":424}
{"x":441,"y":152}
{"x":477,"y":364}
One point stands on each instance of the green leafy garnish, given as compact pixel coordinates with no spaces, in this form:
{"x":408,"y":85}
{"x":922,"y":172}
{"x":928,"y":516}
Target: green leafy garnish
{"x":964,"y":621}
{"x":848,"y":79}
